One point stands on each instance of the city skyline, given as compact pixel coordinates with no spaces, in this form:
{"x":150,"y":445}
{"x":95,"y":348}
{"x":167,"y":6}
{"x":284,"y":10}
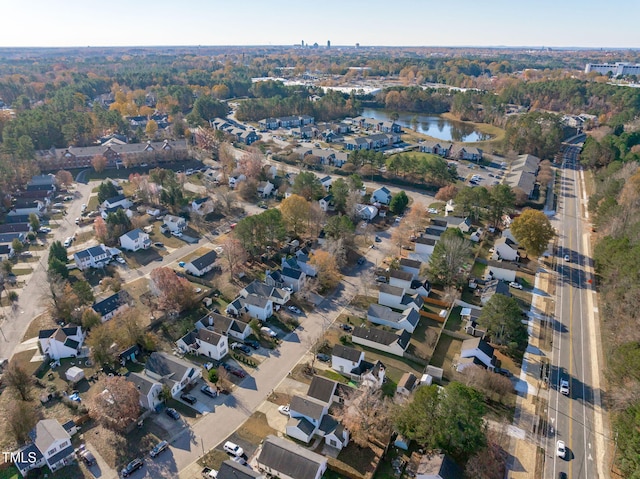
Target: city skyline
{"x":496,"y":23}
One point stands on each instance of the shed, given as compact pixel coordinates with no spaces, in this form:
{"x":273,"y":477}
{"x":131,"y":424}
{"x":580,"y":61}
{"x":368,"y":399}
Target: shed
{"x":74,"y":374}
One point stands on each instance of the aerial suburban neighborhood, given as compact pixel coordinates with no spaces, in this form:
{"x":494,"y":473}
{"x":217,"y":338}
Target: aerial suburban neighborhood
{"x":316,"y":261}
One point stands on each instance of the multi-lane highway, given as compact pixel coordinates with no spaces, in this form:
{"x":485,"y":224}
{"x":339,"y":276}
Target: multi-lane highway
{"x":575,"y":417}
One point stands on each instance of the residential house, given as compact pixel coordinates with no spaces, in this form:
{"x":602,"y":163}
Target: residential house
{"x":104,"y":212}
{"x":51,"y":446}
{"x":523,"y":174}
{"x":406,"y":384}
{"x":407,"y":320}
{"x":396,"y":298}
{"x":479,"y":349}
{"x":175,"y":224}
{"x":424,"y":246}
{"x":149,"y":390}
{"x":304,"y":132}
{"x":389,"y":127}
{"x":435,"y":466}
{"x":274,"y":278}
{"x":172,"y":371}
{"x":114,"y":304}
{"x":326,"y":182}
{"x":232,"y":470}
{"x":400,"y":278}
{"x":494,"y":287}
{"x":470,"y":153}
{"x":326,"y":156}
{"x":226,"y":326}
{"x":463,"y":224}
{"x":235,"y":180}
{"x":269,"y":124}
{"x":265,"y":189}
{"x":382,"y":340}
{"x":411,"y":266}
{"x":204,"y":342}
{"x":94,"y":257}
{"x":286,"y":460}
{"x":327,"y":204}
{"x":202,"y":206}
{"x":379,"y":140}
{"x":293,"y":278}
{"x":289,"y":121}
{"x":6,"y":251}
{"x":345,"y":359}
{"x":340,"y":158}
{"x":470,"y":317}
{"x":505,"y":249}
{"x":202,"y":264}
{"x":257,"y":307}
{"x":301,"y":260}
{"x":435,"y":148}
{"x":61,"y":343}
{"x":119,"y":200}
{"x":276,"y":295}
{"x":135,"y":240}
{"x":48,"y":181}
{"x":502,"y":270}
{"x":353,"y":144}
{"x":305,"y":415}
{"x":19,"y":228}
{"x":506,"y":233}
{"x":366,"y":212}
{"x":248,"y":137}
{"x":382,"y":196}
{"x":7,"y":238}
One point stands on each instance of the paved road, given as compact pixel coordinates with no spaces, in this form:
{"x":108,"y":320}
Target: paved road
{"x":576,"y":417}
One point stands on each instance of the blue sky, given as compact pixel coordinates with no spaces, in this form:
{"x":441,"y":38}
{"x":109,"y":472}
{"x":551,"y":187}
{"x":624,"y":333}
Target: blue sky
{"x":552,"y":23}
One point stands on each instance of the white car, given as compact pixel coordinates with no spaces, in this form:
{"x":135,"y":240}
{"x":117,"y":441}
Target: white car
{"x":83,"y":207}
{"x":177,"y":234}
{"x":564,"y":387}
{"x":233,"y":448}
{"x":433,"y":211}
{"x":284,"y":410}
{"x":68,"y":242}
{"x":295,"y":309}
{"x":515,"y":285}
{"x":561,"y":450}
{"x":268,"y":331}
{"x":120,"y":260}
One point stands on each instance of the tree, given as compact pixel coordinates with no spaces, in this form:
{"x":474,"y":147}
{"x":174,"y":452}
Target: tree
{"x":533,"y":231}
{"x":489,"y":462}
{"x":447,"y":193}
{"x":64,"y":178}
{"x":502,"y":318}
{"x":34,"y":222}
{"x":340,"y":193}
{"x":21,"y":418}
{"x":58,"y":251}
{"x":250,"y":164}
{"x":100,"y":340}
{"x":175,"y":293}
{"x":448,"y":257}
{"x":417,"y":420}
{"x":58,"y":268}
{"x":100,"y":229}
{"x":17,"y":246}
{"x":151,"y":128}
{"x":114,"y":403}
{"x":90,"y":319}
{"x":368,"y":415}
{"x":339,"y":226}
{"x":307,"y":185}
{"x":99,"y":163}
{"x":226,"y":198}
{"x":106,"y":190}
{"x":83,"y":291}
{"x":328,"y":274}
{"x":19,"y":380}
{"x":6,"y":267}
{"x":501,"y":199}
{"x":399,"y":203}
{"x":234,"y":253}
{"x":295,"y":213}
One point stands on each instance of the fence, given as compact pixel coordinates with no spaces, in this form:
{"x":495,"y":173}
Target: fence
{"x":434,"y":316}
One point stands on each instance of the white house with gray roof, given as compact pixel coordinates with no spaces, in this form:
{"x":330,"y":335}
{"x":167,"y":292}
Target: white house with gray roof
{"x":257,"y":307}
{"x":286,"y":460}
{"x":51,"y":446}
{"x":135,"y":240}
{"x":225,"y":325}
{"x":61,"y":343}
{"x":204,"y":342}
{"x":202,"y":264}
{"x":174,"y":372}
{"x":382,"y":196}
{"x":407,"y":320}
{"x":94,"y":257}
{"x":382,"y":340}
{"x":276,"y":295}
{"x":149,"y":390}
{"x":345,"y":359}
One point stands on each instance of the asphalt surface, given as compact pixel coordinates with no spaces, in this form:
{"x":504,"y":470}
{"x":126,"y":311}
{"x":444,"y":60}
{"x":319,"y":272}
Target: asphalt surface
{"x":575,"y":356}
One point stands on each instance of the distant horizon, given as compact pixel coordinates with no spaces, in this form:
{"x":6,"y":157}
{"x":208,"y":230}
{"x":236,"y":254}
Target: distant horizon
{"x":406,"y":23}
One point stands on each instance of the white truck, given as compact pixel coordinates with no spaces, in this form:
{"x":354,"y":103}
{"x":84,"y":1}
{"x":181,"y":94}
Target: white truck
{"x":209,"y":473}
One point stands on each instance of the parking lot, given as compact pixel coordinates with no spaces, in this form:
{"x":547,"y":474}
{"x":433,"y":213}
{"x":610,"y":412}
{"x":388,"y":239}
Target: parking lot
{"x":481,"y":175}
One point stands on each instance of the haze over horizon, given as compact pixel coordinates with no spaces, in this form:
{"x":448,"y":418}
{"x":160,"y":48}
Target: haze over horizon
{"x":494,"y":23}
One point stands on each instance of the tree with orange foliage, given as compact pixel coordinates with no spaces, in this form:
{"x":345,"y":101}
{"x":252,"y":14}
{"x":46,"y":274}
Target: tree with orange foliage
{"x":100,"y":228}
{"x":114,"y":403}
{"x":99,"y":163}
{"x":328,"y":273}
{"x":175,"y":294}
{"x":447,"y":193}
{"x":64,"y":178}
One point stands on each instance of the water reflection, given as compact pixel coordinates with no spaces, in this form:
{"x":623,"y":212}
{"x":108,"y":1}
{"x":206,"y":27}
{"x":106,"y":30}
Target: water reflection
{"x":435,"y":126}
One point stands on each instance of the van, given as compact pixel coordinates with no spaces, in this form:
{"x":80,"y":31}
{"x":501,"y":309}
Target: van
{"x":233,"y":449}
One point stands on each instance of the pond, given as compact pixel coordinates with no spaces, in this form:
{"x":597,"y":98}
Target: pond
{"x":431,"y":125}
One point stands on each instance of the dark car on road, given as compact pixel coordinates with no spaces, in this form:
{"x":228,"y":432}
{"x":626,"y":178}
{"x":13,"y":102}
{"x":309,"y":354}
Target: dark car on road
{"x":132,"y":467}
{"x":325,"y":358}
{"x":188,"y":398}
{"x":173,"y":414}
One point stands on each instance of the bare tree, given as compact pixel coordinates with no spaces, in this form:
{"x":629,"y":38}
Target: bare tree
{"x":115,"y":403}
{"x":21,"y":418}
{"x":353,"y":199}
{"x":19,"y":380}
{"x":227,"y":199}
{"x":234,"y":253}
{"x":491,"y":461}
{"x":368,"y":415}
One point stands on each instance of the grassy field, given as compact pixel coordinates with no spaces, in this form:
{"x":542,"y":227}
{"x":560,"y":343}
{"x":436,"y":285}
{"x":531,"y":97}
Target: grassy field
{"x":444,"y":353}
{"x":497,"y":133}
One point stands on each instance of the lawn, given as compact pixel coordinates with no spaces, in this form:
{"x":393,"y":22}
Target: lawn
{"x":9,"y":473}
{"x":424,"y":338}
{"x":358,"y":461}
{"x":255,"y":428}
{"x":454,"y":322}
{"x":478,"y":270}
{"x":168,"y":240}
{"x":22,"y":271}
{"x":444,"y":353}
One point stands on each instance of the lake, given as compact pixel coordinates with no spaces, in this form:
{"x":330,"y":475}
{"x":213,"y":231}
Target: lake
{"x":432,"y":125}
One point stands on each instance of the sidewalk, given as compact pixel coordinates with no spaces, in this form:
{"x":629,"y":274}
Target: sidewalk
{"x":522,"y":463}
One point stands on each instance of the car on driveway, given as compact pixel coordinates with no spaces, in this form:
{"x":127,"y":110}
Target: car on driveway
{"x":132,"y":467}
{"x":378,"y":240}
{"x":252,"y":344}
{"x":325,"y":358}
{"x":172,"y":413}
{"x":177,"y":234}
{"x":346,"y":327}
{"x":284,"y":410}
{"x":161,"y":446}
{"x":515,"y":285}
{"x":158,"y":244}
{"x":209,"y":391}
{"x":295,"y":309}
{"x":241,"y":347}
{"x":561,"y":449}
{"x":433,"y":211}
{"x":233,"y":448}
{"x":381,"y":279}
{"x":120,"y":260}
{"x":239,"y":373}
{"x":268,"y":331}
{"x":188,"y":398}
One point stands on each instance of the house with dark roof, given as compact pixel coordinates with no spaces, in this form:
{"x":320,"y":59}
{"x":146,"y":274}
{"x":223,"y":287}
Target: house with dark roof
{"x":463,"y":224}
{"x":326,"y":203}
{"x":174,"y":372}
{"x":15,"y":228}
{"x":474,"y":350}
{"x":225,"y":325}
{"x":6,"y":251}
{"x":396,"y":298}
{"x":460,"y":152}
{"x":232,"y":470}
{"x":61,"y":343}
{"x":435,"y":148}
{"x":202,"y":206}
{"x":286,"y":460}
{"x":276,"y":295}
{"x":204,"y":342}
{"x":381,"y":195}
{"x":94,"y":257}
{"x":384,"y":316}
{"x":265,"y":188}
{"x":135,"y":240}
{"x":345,"y":359}
{"x":257,"y":307}
{"x":435,"y":466}
{"x":382,"y":340}
{"x":114,"y":304}
{"x":505,"y":249}
{"x":274,"y":278}
{"x":201,"y":265}
{"x":119,"y":200}
{"x":411,"y":266}
{"x":406,"y":384}
{"x":50,"y":446}
{"x":400,"y":278}
{"x":492,"y":287}
{"x":293,"y":278}
{"x":149,"y":390}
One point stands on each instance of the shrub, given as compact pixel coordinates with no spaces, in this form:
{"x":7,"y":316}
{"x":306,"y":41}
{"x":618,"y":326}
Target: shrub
{"x":213,"y":375}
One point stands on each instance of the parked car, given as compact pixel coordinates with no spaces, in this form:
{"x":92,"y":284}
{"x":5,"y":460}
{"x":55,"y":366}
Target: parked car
{"x":252,"y":344}
{"x":346,"y":327}
{"x":561,"y":449}
{"x":325,"y":358}
{"x":44,"y":230}
{"x":564,"y":387}
{"x":132,"y":467}
{"x":158,"y":244}
{"x":208,"y":366}
{"x":433,"y":211}
{"x":378,"y":240}
{"x":77,"y":221}
{"x":172,"y":413}
{"x":239,"y":373}
{"x":361,"y":260}
{"x":83,"y":207}
{"x":381,"y":279}
{"x":233,"y":448}
{"x":177,"y":234}
{"x":240,"y":347}
{"x":268,"y":331}
{"x":503,"y":372}
{"x":284,"y":410}
{"x":515,"y":285}
{"x":295,"y":309}
{"x":188,"y":398}
{"x":120,"y":260}
{"x":209,"y":391}
{"x":86,"y":456}
{"x":161,"y":446}
{"x":68,"y":242}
